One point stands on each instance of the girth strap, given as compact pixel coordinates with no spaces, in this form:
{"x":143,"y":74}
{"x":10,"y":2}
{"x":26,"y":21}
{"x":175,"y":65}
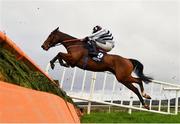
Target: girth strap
{"x":85,"y":60}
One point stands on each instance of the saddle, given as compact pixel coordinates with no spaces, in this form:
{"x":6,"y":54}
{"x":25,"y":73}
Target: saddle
{"x":95,"y":52}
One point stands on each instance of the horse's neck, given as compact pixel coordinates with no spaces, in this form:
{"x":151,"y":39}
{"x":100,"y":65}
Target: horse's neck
{"x":69,"y":41}
{"x":73,"y":44}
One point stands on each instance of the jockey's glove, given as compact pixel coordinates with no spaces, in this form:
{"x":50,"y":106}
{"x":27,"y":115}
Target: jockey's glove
{"x":86,"y":39}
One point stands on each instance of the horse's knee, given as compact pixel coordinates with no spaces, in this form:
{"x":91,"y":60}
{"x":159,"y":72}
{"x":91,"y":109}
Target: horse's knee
{"x":59,"y":54}
{"x":120,"y":79}
{"x":73,"y":63}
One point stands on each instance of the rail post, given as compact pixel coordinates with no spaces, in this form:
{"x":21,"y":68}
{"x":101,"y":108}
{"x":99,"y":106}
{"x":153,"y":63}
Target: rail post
{"x":62,"y":78}
{"x":130,"y":104}
{"x":83,"y":83}
{"x":176,"y":104}
{"x":74,"y":75}
{"x":89,"y":107}
{"x":176,"y":89}
{"x":104,"y":84}
{"x":91,"y":91}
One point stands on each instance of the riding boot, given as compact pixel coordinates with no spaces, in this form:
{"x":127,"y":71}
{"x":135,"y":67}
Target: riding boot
{"x":94,"y":51}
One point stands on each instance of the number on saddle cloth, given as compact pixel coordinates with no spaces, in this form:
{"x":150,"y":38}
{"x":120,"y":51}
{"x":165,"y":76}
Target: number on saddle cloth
{"x":98,"y":56}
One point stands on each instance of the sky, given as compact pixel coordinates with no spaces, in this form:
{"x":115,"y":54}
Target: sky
{"x":146,"y":30}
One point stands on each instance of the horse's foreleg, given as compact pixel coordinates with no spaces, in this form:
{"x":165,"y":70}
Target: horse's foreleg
{"x":70,"y":61}
{"x":59,"y":58}
{"x":66,"y":57}
{"x":53,"y":61}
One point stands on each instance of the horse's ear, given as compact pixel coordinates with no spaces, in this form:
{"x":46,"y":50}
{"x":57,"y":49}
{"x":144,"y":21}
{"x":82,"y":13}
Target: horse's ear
{"x":56,"y":29}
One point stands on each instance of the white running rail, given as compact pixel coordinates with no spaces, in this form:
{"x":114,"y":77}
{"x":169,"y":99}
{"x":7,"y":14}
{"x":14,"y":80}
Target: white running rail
{"x":102,"y":87}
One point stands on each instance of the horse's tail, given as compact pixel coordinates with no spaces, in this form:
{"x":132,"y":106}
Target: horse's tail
{"x":138,"y":69}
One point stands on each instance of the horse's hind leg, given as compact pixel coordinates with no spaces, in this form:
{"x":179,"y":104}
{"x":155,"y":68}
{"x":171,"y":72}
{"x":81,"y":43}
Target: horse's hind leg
{"x":140,"y":83}
{"x":128,"y":83}
{"x":136,"y":91}
{"x":145,"y":95}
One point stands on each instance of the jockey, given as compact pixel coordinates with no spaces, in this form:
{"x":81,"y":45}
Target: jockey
{"x":100,"y":38}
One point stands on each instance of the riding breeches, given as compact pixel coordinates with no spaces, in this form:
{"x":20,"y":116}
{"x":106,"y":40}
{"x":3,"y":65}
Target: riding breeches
{"x":106,"y":47}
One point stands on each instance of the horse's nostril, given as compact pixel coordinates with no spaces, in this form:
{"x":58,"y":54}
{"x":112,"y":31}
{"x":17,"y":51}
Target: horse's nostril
{"x":42,"y":46}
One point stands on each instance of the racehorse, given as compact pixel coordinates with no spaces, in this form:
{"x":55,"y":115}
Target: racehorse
{"x":77,"y":55}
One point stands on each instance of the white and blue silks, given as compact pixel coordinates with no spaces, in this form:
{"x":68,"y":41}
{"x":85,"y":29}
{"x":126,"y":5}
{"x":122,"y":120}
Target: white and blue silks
{"x":103,"y":39}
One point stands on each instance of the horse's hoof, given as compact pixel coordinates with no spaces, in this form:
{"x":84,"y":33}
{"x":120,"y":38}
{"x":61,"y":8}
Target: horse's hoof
{"x":146,"y":96}
{"x":147,"y":107}
{"x":52,"y":65}
{"x":66,"y":65}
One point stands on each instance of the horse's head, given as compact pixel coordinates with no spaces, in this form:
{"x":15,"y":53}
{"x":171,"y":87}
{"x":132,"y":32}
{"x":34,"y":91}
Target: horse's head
{"x":52,"y":40}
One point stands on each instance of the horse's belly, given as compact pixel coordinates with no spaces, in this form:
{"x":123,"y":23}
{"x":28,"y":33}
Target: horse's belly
{"x":92,"y":65}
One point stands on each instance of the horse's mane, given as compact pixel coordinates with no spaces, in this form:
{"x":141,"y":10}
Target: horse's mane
{"x":66,"y":36}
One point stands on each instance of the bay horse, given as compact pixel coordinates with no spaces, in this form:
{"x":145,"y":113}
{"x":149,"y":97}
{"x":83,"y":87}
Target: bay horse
{"x":77,"y":55}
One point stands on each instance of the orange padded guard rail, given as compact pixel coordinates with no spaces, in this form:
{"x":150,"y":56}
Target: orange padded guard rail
{"x":18,"y":104}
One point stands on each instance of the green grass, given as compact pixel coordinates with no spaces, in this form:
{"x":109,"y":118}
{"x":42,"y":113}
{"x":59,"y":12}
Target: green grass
{"x":124,"y":117}
{"x":17,"y":72}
